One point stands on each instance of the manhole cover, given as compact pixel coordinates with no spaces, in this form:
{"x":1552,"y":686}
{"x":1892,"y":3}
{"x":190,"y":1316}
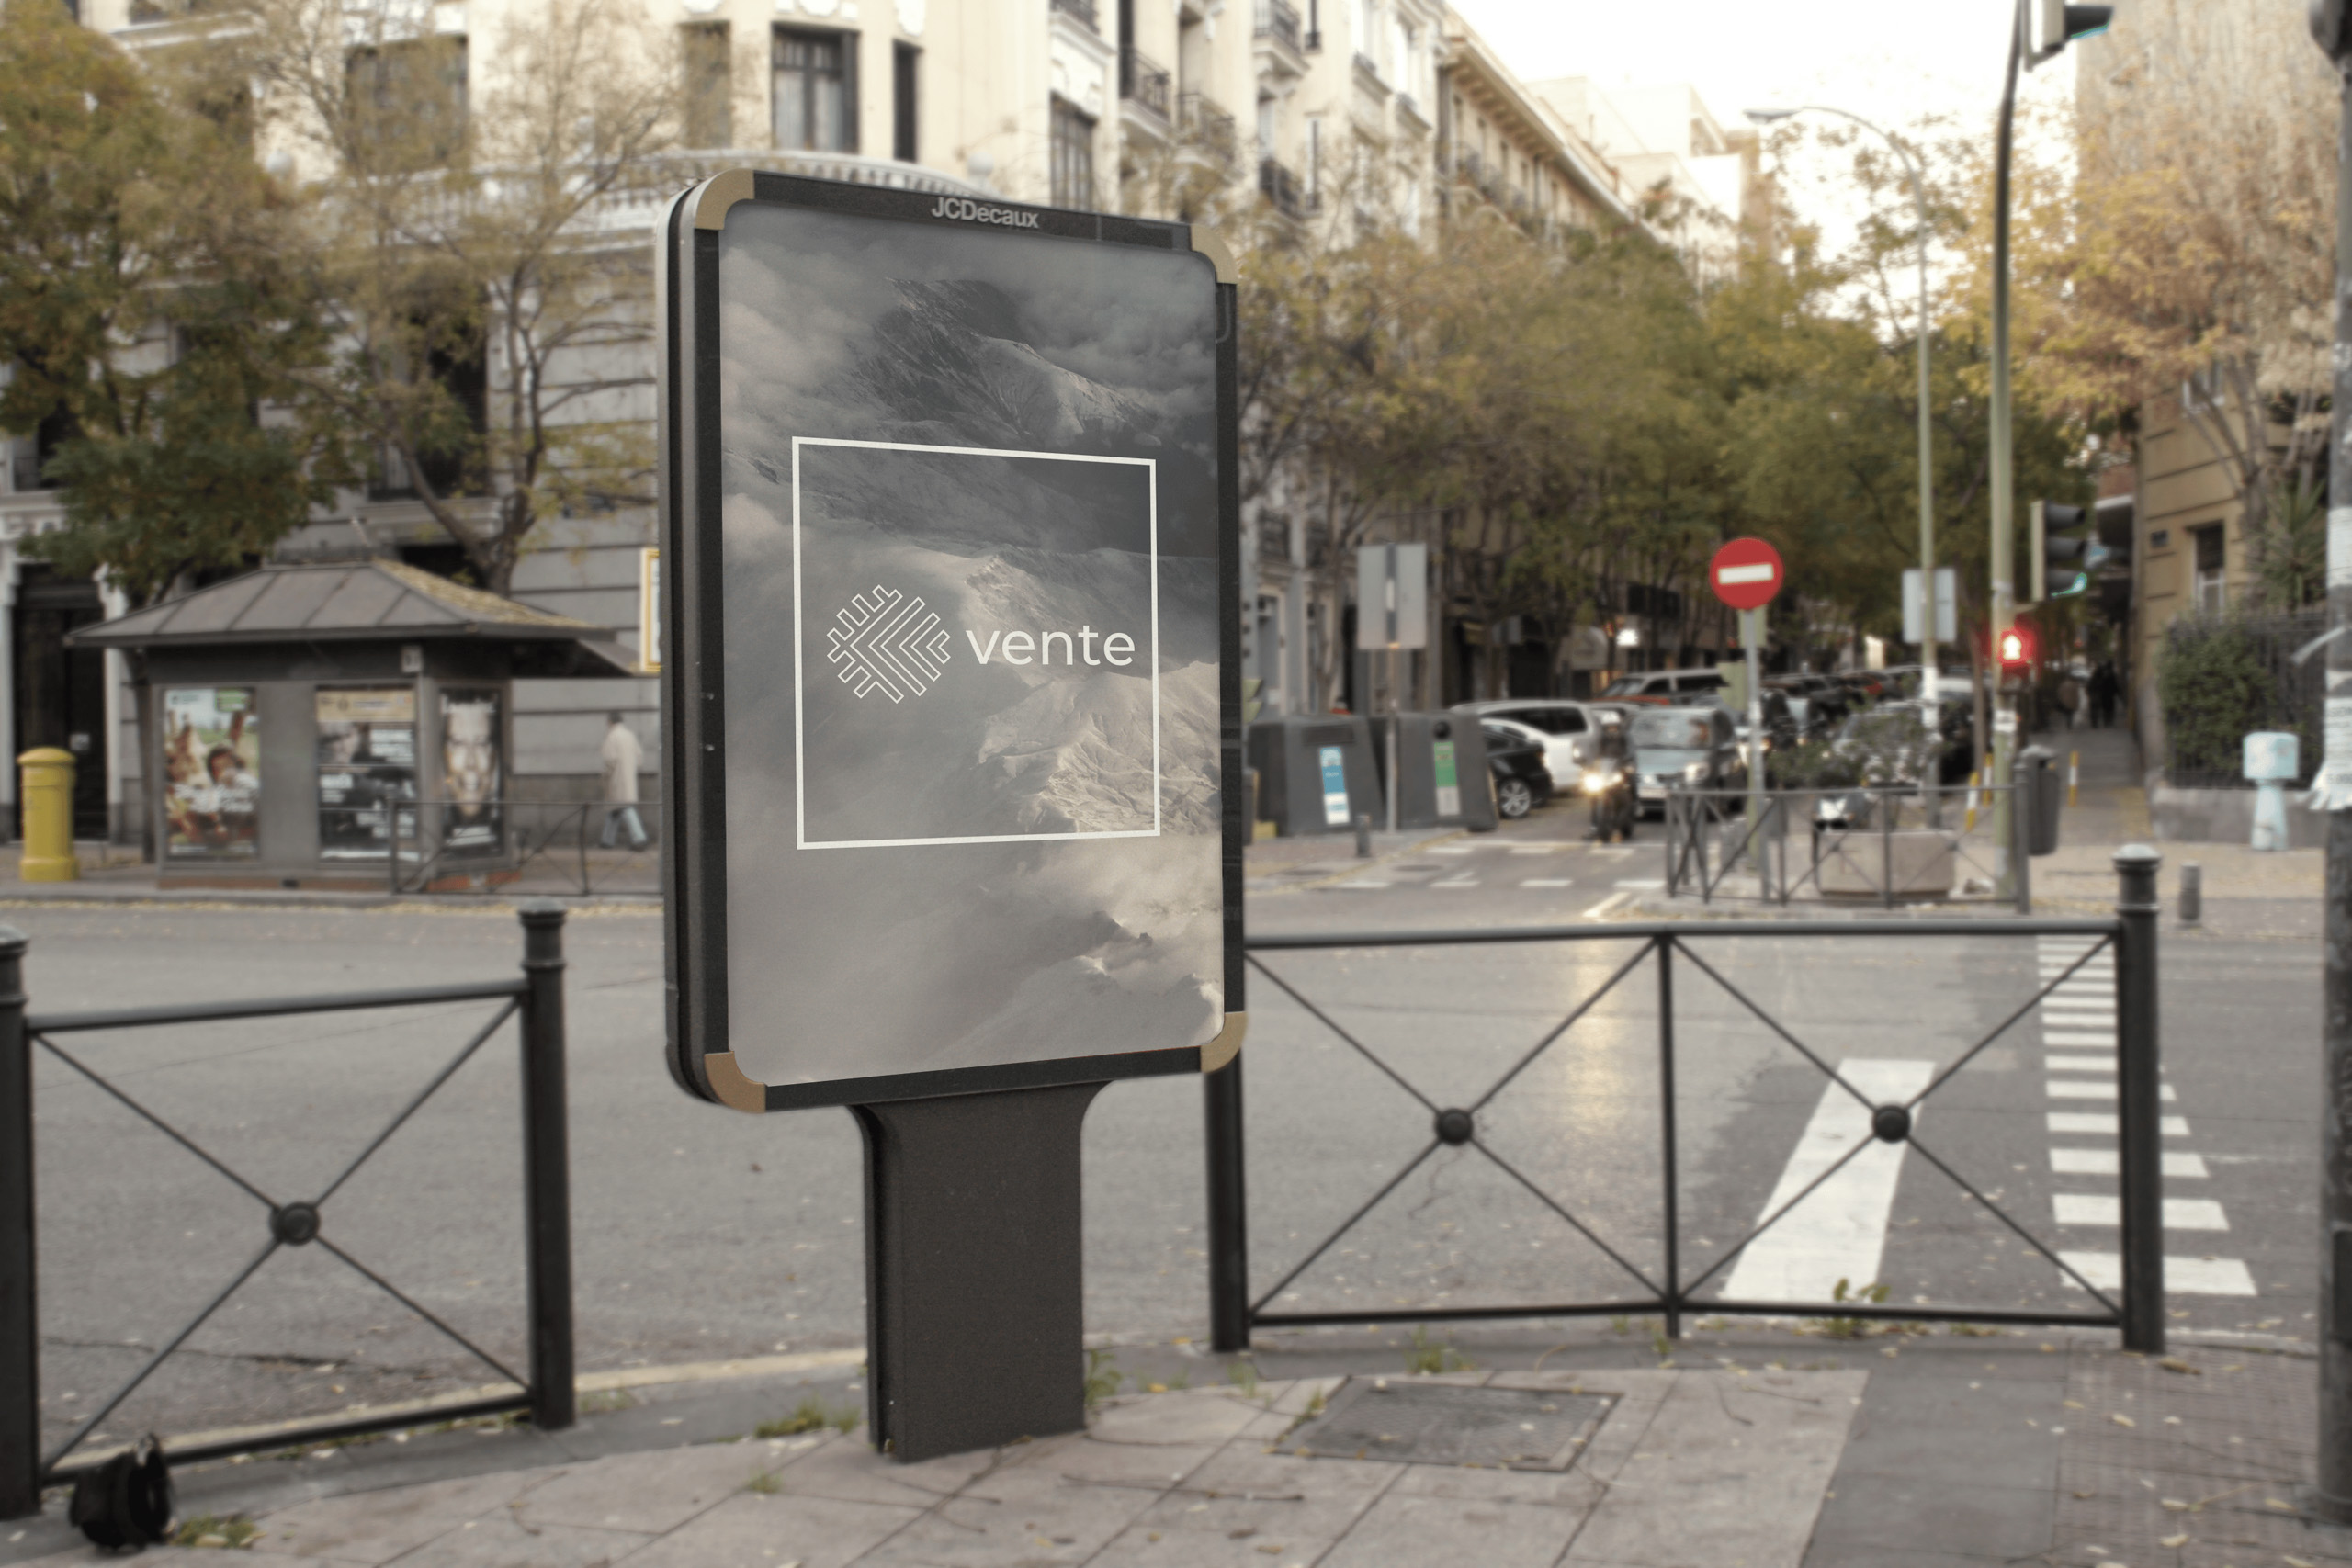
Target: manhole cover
{"x":1426,"y":1423}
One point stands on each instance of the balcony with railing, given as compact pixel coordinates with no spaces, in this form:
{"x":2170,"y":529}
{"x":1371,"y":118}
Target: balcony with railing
{"x":1144,"y":82}
{"x":1082,"y":10}
{"x":1279,"y":22}
{"x":1280,"y":186}
{"x":1205,"y":126}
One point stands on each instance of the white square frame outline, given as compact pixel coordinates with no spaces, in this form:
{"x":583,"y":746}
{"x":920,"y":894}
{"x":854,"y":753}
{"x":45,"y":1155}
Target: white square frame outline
{"x":799,"y":644}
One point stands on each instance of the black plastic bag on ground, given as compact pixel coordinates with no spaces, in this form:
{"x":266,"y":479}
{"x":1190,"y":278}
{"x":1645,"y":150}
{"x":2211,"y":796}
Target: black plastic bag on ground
{"x":126,"y":1501}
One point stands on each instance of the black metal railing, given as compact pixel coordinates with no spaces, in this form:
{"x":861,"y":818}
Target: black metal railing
{"x":1668,"y":1288}
{"x":1205,"y":124}
{"x":443,"y":846}
{"x":1144,"y":81}
{"x":1883,"y":844}
{"x":1278,"y":186}
{"x":1279,"y":22}
{"x":543,"y":1388}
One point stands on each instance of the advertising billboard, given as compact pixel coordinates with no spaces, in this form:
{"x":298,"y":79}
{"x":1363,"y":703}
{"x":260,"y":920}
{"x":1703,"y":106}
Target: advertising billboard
{"x":949,"y":613}
{"x":367,"y":770}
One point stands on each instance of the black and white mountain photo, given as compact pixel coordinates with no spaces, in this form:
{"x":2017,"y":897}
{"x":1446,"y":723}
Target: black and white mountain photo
{"x":970,"y":581}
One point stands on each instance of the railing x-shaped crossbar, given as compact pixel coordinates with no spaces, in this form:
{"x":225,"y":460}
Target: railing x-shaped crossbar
{"x":535,"y":996}
{"x":2136,"y":1308}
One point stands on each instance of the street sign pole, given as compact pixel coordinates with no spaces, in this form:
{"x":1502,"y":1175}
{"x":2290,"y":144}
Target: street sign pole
{"x":1751,"y":632}
{"x":2332,"y":793}
{"x":1747,"y":575}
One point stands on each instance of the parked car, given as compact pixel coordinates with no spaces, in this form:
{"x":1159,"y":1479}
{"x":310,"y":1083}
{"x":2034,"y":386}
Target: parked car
{"x":1695,"y":748}
{"x":1654,"y":685}
{"x":1522,"y":781}
{"x":1568,"y":722}
{"x":1563,"y":759}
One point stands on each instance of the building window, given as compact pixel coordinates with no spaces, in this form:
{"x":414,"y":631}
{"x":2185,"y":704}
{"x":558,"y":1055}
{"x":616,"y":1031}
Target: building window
{"x":1073,"y":156}
{"x":410,"y":98}
{"x":2208,"y":590}
{"x":710,"y":98}
{"x":816,"y":92}
{"x":904,"y":77}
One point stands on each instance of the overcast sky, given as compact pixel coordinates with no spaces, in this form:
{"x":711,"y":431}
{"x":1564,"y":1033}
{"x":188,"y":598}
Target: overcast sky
{"x":1893,"y":63}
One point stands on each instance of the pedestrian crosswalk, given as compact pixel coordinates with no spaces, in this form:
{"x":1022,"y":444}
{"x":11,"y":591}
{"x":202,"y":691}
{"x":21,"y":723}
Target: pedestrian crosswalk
{"x":2079,"y":1059}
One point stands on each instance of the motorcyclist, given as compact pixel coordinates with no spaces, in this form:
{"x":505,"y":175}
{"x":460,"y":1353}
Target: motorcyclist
{"x":1612,"y":759}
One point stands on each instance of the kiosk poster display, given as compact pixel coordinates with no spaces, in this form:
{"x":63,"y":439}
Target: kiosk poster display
{"x":473,"y":766}
{"x":949,"y":649}
{"x":367,"y":770}
{"x":212,"y":763}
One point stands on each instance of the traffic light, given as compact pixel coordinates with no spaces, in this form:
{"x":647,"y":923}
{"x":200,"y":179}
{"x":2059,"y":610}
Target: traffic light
{"x":2065,"y":562}
{"x":2057,"y":24}
{"x":2016,"y":651}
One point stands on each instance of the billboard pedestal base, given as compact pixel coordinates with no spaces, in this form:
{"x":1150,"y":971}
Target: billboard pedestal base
{"x":973,"y":1274}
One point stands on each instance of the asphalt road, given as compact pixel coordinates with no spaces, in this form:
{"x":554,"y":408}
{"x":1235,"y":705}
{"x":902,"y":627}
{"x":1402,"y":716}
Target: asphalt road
{"x":701,"y":1234}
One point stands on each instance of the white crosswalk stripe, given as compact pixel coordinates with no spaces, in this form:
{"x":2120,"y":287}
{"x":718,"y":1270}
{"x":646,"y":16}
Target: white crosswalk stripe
{"x":2078,"y":1018}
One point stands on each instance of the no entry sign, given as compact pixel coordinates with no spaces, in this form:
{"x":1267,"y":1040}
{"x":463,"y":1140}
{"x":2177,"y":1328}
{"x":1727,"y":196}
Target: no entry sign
{"x":1745,"y":573}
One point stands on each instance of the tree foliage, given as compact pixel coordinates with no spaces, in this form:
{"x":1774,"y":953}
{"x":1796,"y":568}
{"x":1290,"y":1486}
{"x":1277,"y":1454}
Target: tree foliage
{"x":474,"y":220}
{"x":148,"y":307}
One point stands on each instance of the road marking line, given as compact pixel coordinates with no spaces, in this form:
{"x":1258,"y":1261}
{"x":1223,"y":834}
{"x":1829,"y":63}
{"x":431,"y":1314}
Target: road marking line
{"x":2080,"y":1065}
{"x":1548,"y":882}
{"x":1618,"y":852}
{"x":2076,"y":1037}
{"x":1464,"y":880}
{"x":2103,"y":1122}
{"x":1450,"y":850}
{"x":1536,"y":849}
{"x":2102,"y":1088}
{"x":2180,"y":1164}
{"x":1641,"y":884}
{"x":1606,"y":905}
{"x":1839,"y":1231}
{"x":2107,"y":1209}
{"x":1360,"y":886}
{"x":2183,"y":1276}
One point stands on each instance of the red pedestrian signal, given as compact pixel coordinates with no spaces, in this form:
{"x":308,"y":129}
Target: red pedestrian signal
{"x":2017,"y":650}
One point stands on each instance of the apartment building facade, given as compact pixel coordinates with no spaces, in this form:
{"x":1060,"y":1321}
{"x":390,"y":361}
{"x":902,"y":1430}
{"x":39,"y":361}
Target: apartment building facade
{"x":1392,"y":105}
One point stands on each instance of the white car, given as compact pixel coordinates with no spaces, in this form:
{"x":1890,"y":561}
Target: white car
{"x":1561,"y":758}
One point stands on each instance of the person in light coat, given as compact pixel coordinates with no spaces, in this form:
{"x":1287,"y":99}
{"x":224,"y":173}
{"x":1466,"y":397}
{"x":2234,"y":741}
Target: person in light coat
{"x":622,"y":755}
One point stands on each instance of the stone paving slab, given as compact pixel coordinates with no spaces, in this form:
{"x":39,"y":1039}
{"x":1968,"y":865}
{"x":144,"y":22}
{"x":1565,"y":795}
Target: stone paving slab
{"x":1701,"y":1468}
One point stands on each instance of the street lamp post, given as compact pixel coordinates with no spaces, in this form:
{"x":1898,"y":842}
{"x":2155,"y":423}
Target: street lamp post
{"x":1918,"y":173}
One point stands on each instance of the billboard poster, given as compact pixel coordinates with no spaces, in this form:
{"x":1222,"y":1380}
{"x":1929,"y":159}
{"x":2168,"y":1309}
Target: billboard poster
{"x":212,"y":761}
{"x":954,"y":572}
{"x":473,"y":771}
{"x":366,"y":772}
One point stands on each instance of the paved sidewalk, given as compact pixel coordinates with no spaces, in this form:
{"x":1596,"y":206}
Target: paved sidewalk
{"x":1748,"y":1447}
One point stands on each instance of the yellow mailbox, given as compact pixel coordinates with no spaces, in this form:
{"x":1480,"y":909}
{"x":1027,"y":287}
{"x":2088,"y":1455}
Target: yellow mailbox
{"x":47,"y":785}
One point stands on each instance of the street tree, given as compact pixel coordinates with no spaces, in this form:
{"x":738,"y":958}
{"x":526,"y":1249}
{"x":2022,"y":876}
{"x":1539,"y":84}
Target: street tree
{"x":469,"y":218}
{"x":2198,"y":249}
{"x":148,"y":311}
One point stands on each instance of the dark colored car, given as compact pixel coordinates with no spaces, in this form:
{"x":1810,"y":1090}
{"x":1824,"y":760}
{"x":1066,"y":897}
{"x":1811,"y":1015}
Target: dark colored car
{"x":1694,"y":748}
{"x":1522,"y":780}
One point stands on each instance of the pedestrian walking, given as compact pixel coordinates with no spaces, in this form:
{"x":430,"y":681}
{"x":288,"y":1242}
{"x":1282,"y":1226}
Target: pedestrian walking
{"x":2106,"y":689}
{"x":621,"y":754}
{"x":2070,"y":699}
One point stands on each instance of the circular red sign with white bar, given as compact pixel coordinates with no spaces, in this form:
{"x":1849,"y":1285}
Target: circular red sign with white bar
{"x":1745,"y":573}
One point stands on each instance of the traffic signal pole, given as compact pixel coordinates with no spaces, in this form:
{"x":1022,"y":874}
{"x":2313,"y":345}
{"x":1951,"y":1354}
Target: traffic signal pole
{"x":2004,"y":597}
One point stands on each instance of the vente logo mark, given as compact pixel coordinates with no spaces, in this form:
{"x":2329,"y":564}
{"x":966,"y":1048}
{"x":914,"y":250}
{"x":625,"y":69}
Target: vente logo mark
{"x":888,"y":642}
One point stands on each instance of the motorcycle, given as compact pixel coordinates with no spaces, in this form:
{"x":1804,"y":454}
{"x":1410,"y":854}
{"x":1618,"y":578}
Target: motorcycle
{"x":1608,"y":785}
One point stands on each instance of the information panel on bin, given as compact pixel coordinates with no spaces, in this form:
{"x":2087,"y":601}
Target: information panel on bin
{"x":949,"y":646}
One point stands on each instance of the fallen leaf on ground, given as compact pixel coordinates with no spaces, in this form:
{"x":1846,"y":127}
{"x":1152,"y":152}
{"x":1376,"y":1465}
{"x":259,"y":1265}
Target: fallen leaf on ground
{"x":2123,"y":1420}
{"x":2173,"y":1540}
{"x":2175,"y":1364}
